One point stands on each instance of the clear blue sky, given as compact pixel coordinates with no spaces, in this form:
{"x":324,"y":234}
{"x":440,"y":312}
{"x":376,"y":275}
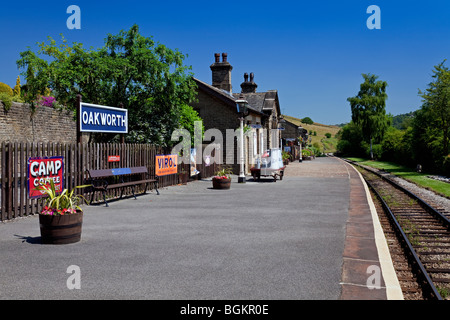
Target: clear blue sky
{"x":312,"y":52}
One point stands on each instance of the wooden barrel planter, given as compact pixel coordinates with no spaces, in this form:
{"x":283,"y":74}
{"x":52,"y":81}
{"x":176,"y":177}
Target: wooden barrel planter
{"x":61,"y":229}
{"x":183,"y":178}
{"x":221,"y":183}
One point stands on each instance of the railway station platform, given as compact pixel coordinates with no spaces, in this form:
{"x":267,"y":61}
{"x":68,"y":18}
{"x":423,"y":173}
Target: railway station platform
{"x":311,"y":236}
{"x":365,"y":255}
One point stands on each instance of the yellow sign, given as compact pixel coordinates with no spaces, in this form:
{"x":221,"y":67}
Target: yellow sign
{"x":166,"y":164}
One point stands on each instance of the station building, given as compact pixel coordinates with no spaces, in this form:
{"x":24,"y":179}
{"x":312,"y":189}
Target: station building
{"x":217,"y":107}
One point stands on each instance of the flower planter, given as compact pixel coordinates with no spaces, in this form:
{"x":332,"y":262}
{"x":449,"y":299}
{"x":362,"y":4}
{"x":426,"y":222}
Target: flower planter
{"x":61,"y":229}
{"x":183,"y":178}
{"x":221,"y":183}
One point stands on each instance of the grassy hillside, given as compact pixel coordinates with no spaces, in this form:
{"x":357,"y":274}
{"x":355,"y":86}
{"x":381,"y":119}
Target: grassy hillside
{"x":326,"y":145}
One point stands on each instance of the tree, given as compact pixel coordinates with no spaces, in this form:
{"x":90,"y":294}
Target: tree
{"x":148,"y":78}
{"x":350,"y":138}
{"x":17,"y":87}
{"x":307,"y":120}
{"x":436,"y":106}
{"x":368,"y":109}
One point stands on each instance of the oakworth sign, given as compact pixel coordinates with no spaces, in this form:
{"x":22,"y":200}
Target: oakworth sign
{"x":96,"y":118}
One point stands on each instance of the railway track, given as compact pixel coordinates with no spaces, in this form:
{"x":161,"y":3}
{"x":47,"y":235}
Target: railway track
{"x":418,"y":236}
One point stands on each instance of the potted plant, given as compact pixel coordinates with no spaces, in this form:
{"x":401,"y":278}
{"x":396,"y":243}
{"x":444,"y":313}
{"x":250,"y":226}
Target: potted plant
{"x":306,"y":153}
{"x":61,"y":219}
{"x":183,"y":176}
{"x":286,"y":156}
{"x":222,"y":179}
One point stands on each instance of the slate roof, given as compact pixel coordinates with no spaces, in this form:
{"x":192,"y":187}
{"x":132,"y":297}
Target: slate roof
{"x":261,"y":101}
{"x":228,"y":98}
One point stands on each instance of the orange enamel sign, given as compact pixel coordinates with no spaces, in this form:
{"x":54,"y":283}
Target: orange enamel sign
{"x":166,"y":164}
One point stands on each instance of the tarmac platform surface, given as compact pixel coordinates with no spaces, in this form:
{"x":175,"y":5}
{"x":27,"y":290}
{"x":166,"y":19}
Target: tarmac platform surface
{"x":308,"y":237}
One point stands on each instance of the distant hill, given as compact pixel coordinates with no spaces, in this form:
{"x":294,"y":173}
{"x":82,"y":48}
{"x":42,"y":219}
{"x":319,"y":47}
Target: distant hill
{"x":402,"y":121}
{"x":326,"y":145}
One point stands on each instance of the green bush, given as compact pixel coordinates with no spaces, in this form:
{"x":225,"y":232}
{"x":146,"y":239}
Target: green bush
{"x":7,"y":100}
{"x":307,"y":120}
{"x":328,"y":135}
{"x":446,"y":166}
{"x":306,"y":153}
{"x":16,"y":98}
{"x":6,"y":89}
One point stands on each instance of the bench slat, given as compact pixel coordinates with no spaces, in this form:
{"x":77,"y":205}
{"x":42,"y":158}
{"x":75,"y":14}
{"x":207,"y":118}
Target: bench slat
{"x":130,"y":183}
{"x":135,"y":170}
{"x":100,"y":173}
{"x":105,"y":173}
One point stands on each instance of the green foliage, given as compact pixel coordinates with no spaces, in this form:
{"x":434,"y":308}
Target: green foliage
{"x":315,"y":150}
{"x":187,"y":119}
{"x":350,"y":138}
{"x":410,"y":174}
{"x":147,"y":77}
{"x":6,"y":99}
{"x":328,"y":135}
{"x":63,"y":200}
{"x":224,"y":172}
{"x":6,"y":89}
{"x":307,"y":120}
{"x":368,"y":108}
{"x":377,"y":151}
{"x":403,"y":121}
{"x":17,"y":87}
{"x":431,"y":125}
{"x":446,"y":165}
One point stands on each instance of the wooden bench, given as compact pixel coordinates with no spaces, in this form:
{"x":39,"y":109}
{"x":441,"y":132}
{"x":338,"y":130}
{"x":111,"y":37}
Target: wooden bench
{"x":105,"y":179}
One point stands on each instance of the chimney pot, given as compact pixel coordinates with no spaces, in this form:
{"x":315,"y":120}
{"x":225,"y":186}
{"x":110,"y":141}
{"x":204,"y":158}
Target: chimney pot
{"x":221,"y":73}
{"x":249,"y":86}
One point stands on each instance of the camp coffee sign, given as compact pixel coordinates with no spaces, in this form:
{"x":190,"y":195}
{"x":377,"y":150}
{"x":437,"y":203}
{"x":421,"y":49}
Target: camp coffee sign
{"x":96,"y":118}
{"x":41,"y":171}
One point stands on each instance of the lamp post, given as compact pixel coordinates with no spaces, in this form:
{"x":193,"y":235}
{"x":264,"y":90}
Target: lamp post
{"x":300,"y":131}
{"x":242,"y":109}
{"x":281,"y":121}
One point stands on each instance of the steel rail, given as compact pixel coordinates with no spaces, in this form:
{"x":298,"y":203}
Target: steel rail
{"x":424,"y":204}
{"x":428,"y":285}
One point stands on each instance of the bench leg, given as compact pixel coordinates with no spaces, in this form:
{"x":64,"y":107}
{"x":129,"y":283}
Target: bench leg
{"x":145,"y":189}
{"x":92,"y":197}
{"x":104,"y":198}
{"x":132,"y":190}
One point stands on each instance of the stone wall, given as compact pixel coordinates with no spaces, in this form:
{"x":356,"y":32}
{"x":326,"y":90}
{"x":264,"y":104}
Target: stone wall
{"x":46,"y":124}
{"x":290,"y":131}
{"x":217,"y":115}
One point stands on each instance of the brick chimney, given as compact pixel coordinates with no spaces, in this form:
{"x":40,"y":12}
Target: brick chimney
{"x":249,"y":86}
{"x":221,"y":72}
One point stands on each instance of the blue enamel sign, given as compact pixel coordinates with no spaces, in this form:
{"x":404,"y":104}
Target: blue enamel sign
{"x":95,"y":118}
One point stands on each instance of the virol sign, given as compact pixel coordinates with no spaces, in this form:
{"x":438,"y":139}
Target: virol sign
{"x":96,"y":118}
{"x":41,"y":171}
